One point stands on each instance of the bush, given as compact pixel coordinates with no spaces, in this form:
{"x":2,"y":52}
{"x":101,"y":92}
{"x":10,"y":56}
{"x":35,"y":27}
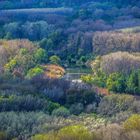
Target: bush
{"x":55,"y":59}
{"x":113,"y":104}
{"x":76,"y":108}
{"x":99,"y":79}
{"x":50,"y":136}
{"x":52,"y":106}
{"x":22,"y":103}
{"x":135,"y":108}
{"x":22,"y":124}
{"x":84,"y":97}
{"x":34,"y":72}
{"x":121,"y":117}
{"x":133,"y":82}
{"x":3,"y":136}
{"x":76,"y":132}
{"x":132,"y":123}
{"x":109,"y":132}
{"x":116,"y":82}
{"x":62,"y":111}
{"x":115,"y":132}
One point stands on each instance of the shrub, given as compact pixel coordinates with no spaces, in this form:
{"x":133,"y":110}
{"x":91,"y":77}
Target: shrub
{"x":62,"y":111}
{"x":116,"y":82}
{"x":22,"y":124}
{"x":50,"y":136}
{"x":52,"y":106}
{"x":132,"y":123}
{"x":109,"y":132}
{"x":113,"y":104}
{"x":121,"y":117}
{"x":55,"y":59}
{"x":76,"y":108}
{"x":76,"y":132}
{"x":82,"y":96}
{"x":133,"y":82}
{"x":115,"y":132}
{"x":135,"y":108}
{"x":91,"y":108}
{"x":87,"y":78}
{"x":3,"y":136}
{"x":22,"y":103}
{"x":34,"y":72}
{"x":98,"y":79}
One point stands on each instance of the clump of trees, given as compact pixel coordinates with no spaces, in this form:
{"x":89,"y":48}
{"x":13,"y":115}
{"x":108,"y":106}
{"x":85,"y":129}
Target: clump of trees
{"x":107,"y":42}
{"x":32,"y":30}
{"x":19,"y":56}
{"x":118,"y":72}
{"x":120,"y":62}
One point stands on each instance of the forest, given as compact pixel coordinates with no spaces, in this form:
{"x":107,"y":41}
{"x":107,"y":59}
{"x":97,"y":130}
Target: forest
{"x":69,"y":70}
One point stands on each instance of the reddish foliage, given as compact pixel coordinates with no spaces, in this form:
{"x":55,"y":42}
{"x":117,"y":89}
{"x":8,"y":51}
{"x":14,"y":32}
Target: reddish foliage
{"x":101,"y":91}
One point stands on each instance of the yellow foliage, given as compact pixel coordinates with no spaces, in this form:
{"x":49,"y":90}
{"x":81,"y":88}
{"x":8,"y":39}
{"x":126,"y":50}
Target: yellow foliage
{"x":76,"y":132}
{"x":132,"y":123}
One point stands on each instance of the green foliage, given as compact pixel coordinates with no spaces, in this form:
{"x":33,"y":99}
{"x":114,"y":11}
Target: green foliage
{"x":50,"y":136}
{"x":98,"y":79}
{"x":116,"y":82}
{"x":55,"y":59}
{"x":40,"y":55}
{"x":87,"y":78}
{"x":62,"y":111}
{"x":20,"y":59}
{"x":82,"y":61}
{"x":52,"y":106}
{"x":76,"y":132}
{"x":34,"y":72}
{"x":76,"y":108}
{"x":133,"y":82}
{"x":82,"y":96}
{"x":8,"y":36}
{"x":11,"y":65}
{"x":132,"y":123}
{"x":23,"y":103}
{"x":3,"y":136}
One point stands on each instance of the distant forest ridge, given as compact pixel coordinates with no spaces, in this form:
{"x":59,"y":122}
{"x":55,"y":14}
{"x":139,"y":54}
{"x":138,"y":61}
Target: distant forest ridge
{"x":15,"y":4}
{"x":38,"y":10}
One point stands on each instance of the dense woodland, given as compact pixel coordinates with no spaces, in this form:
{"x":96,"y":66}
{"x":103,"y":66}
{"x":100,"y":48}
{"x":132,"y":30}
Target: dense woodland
{"x":40,"y":40}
